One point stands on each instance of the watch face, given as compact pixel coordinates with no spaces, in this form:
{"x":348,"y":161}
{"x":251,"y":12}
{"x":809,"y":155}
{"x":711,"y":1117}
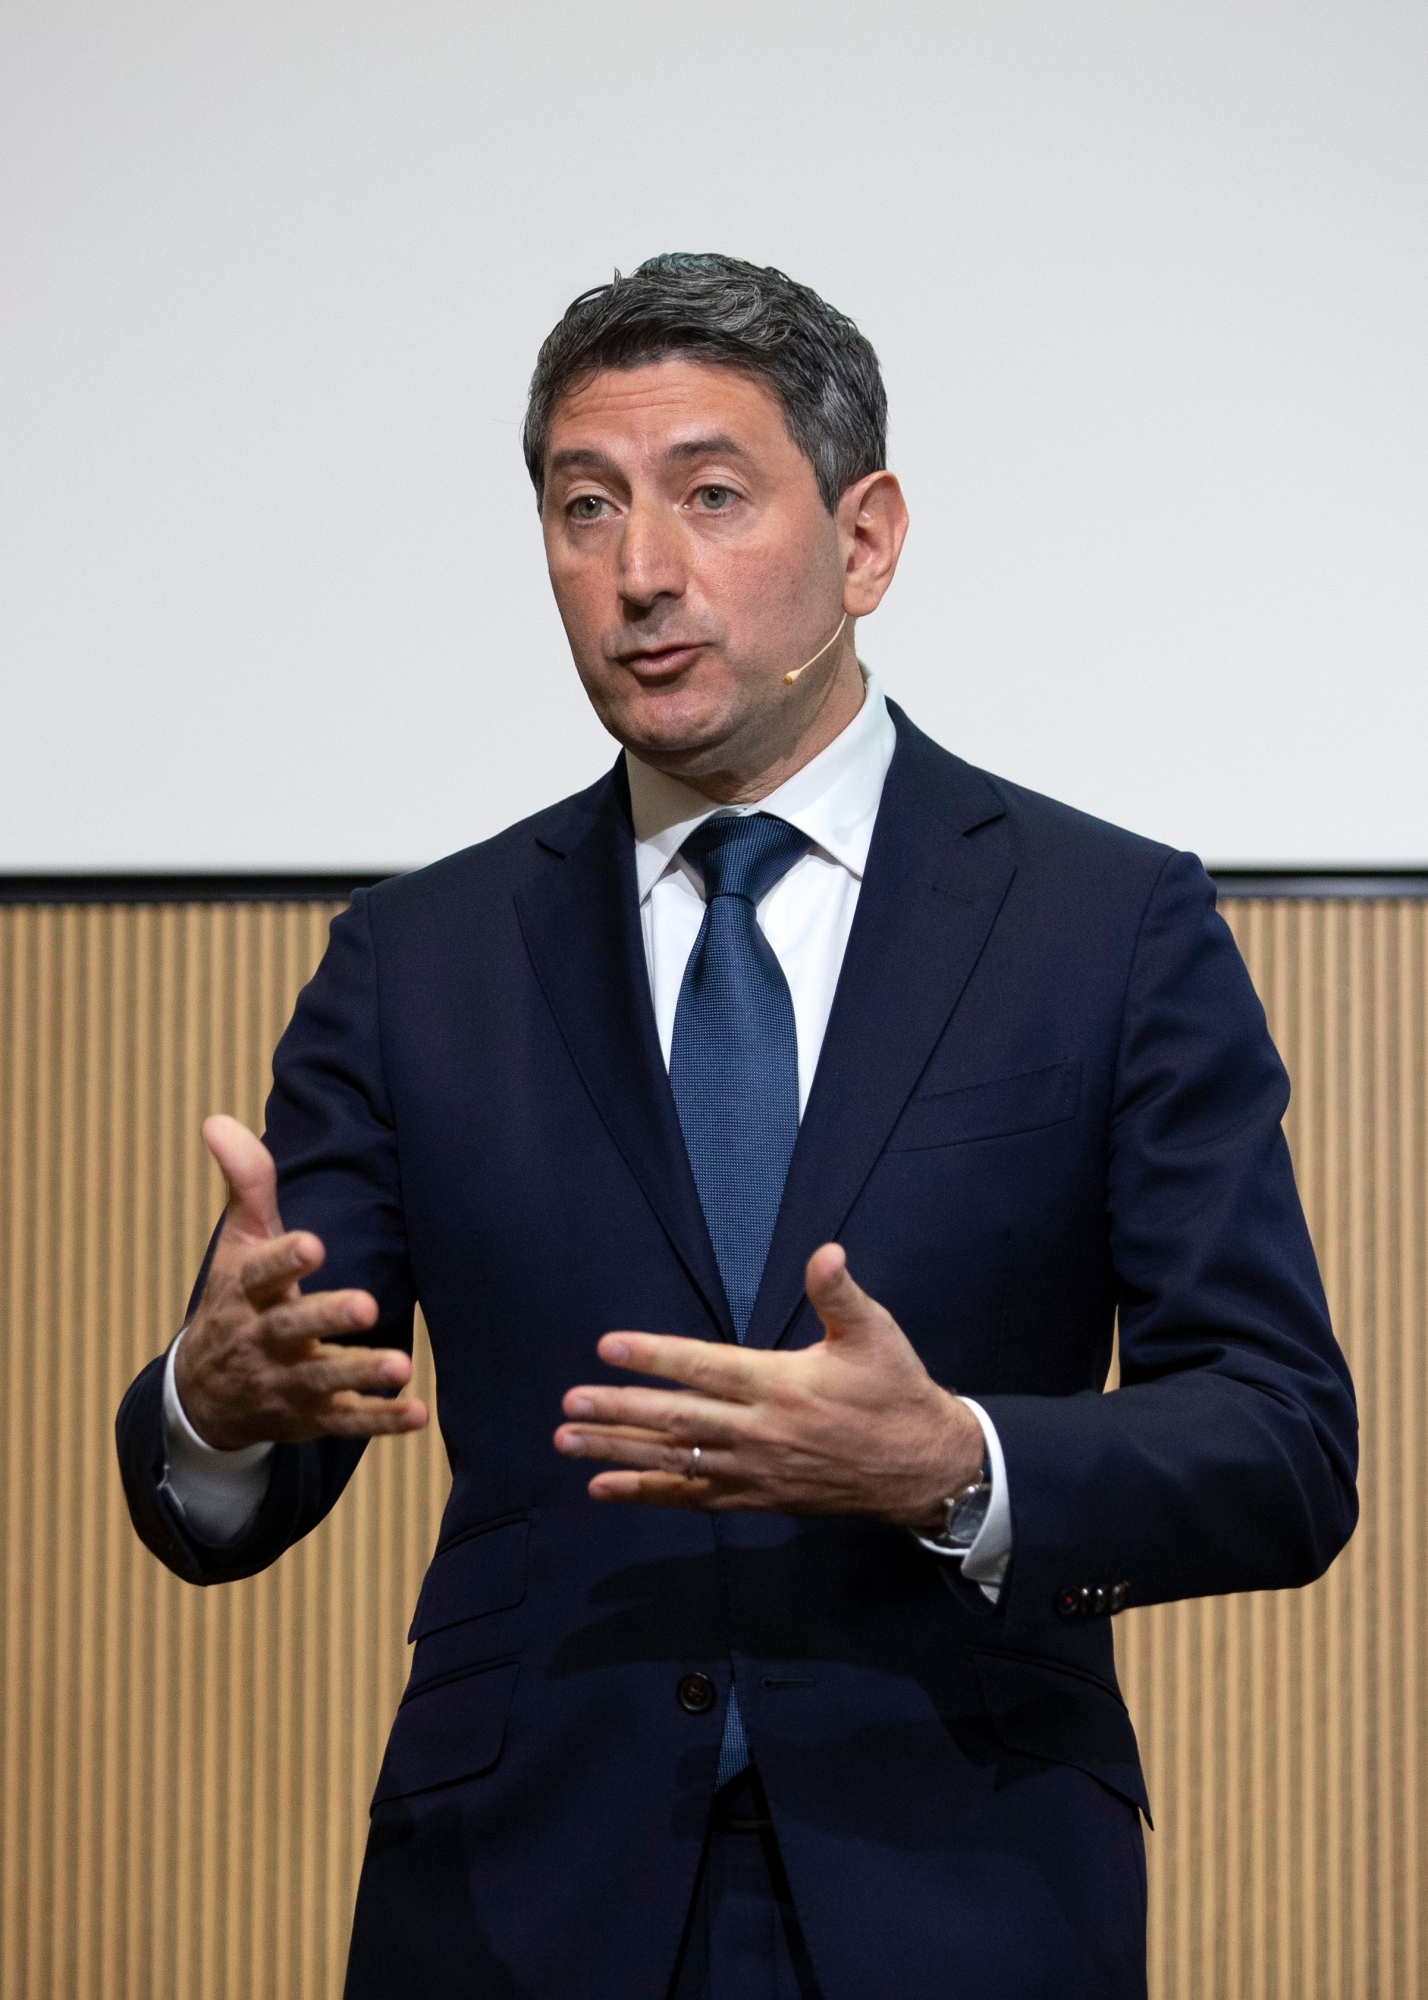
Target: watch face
{"x":968,"y":1514}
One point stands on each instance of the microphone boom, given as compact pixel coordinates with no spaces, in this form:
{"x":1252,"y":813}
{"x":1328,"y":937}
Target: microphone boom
{"x":789,"y":679}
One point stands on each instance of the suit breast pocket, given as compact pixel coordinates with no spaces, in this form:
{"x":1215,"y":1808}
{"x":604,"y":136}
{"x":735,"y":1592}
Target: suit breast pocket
{"x":996,"y":1109}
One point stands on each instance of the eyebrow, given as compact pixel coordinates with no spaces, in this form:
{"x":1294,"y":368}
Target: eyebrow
{"x":584,"y":458}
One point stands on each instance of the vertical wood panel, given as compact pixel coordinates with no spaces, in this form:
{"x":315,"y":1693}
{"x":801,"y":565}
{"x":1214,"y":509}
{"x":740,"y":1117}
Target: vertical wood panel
{"x":1284,"y":1735}
{"x":185,"y":1773}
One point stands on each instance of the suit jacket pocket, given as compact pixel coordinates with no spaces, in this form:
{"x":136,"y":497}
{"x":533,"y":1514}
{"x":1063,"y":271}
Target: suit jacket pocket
{"x":1043,"y":1709}
{"x":447,"y":1732}
{"x":992,"y":1110}
{"x":482,"y":1572}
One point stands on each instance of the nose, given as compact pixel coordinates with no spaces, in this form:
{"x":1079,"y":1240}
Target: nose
{"x":651,"y":555}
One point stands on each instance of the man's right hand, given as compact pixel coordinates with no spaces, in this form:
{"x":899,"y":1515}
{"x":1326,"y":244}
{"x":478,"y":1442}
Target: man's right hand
{"x":255,"y":1362}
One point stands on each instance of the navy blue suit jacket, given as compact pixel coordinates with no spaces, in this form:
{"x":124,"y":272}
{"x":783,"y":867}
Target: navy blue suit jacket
{"x":1046,"y":1098}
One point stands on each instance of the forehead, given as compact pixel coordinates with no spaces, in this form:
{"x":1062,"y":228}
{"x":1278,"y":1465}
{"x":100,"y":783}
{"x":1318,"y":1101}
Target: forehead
{"x":658,"y":405}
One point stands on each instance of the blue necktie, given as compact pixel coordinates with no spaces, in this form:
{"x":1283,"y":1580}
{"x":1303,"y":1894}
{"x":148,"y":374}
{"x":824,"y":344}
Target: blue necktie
{"x":733,"y":1067}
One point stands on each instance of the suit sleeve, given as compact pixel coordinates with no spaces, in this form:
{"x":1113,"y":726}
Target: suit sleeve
{"x":1226,"y":1459}
{"x":331,"y":1130}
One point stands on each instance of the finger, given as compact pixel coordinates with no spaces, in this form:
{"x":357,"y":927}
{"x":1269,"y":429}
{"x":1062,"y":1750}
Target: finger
{"x":646,"y":1450}
{"x":350,"y":1415}
{"x":332,"y":1369}
{"x":684,"y":1417}
{"x":715,"y":1368}
{"x":844,"y":1307}
{"x":272,"y":1273}
{"x":657,"y":1489}
{"x":316,"y":1315}
{"x":247,"y":1166}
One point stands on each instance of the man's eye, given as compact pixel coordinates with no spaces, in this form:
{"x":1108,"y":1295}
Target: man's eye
{"x":588,"y":507}
{"x":715,"y":499}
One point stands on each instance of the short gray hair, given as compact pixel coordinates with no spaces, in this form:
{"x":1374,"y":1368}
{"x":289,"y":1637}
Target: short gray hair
{"x":710,"y":308}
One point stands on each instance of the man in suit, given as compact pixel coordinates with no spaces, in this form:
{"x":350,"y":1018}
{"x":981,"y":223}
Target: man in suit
{"x":784,"y":1123}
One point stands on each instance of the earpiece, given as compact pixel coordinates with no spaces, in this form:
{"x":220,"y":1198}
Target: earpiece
{"x":789,"y":679}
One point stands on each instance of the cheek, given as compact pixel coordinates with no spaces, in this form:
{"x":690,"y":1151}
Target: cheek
{"x":582,"y":597}
{"x":762,"y":595}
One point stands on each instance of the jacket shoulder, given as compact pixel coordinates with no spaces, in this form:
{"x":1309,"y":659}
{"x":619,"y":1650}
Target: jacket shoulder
{"x":1043,"y":833}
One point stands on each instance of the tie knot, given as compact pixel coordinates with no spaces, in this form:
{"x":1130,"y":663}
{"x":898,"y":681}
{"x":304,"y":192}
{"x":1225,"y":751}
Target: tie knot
{"x":744,"y":855}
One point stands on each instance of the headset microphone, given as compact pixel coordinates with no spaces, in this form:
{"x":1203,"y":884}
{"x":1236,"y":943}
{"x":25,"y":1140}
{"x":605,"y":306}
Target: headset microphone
{"x":789,"y":679}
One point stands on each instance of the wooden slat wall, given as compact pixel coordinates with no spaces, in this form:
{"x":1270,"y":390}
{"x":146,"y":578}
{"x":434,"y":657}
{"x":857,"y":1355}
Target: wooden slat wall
{"x":1284,"y":1735}
{"x":185,"y":1774}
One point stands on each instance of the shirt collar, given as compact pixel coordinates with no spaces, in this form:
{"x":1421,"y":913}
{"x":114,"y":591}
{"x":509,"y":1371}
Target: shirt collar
{"x":833,"y":799}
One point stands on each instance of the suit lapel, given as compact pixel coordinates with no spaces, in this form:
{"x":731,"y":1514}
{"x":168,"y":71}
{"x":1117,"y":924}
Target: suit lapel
{"x":581,"y":925}
{"x":929,"y":899}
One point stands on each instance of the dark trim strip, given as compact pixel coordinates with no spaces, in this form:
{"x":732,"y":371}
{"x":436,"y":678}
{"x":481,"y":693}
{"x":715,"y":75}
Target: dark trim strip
{"x":1379,"y":884}
{"x":184,"y":888}
{"x":1343,"y":884}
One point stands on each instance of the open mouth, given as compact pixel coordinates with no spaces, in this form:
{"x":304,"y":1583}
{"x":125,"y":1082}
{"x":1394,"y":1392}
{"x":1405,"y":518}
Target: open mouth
{"x":652,"y":661}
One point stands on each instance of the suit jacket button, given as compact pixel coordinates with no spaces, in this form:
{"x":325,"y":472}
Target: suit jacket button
{"x":696,"y":1694}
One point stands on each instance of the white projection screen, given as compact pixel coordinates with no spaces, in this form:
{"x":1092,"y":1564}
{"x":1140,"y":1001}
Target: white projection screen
{"x":1149,"y":283}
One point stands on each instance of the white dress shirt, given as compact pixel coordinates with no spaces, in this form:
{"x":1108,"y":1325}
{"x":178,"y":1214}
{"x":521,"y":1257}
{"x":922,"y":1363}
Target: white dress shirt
{"x":806,"y":917}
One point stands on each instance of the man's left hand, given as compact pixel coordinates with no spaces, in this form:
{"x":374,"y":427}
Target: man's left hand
{"x":855,"y":1425}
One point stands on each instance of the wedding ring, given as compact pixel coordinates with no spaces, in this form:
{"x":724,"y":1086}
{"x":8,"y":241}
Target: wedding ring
{"x":691,"y":1471}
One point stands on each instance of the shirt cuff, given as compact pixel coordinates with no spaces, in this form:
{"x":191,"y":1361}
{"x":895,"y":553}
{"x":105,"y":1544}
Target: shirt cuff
{"x":985,"y":1562}
{"x":217,"y":1492}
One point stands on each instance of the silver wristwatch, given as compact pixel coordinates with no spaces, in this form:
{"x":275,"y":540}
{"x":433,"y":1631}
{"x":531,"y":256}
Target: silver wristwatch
{"x":966,"y":1512}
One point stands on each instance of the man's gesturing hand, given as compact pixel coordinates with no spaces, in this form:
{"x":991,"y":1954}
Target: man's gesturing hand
{"x":254,"y":1363}
{"x":855,"y":1425}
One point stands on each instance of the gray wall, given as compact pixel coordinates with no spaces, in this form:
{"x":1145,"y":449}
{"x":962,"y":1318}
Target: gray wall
{"x":1148,"y":281}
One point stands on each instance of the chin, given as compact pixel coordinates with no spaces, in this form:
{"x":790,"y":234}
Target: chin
{"x":675,"y":727}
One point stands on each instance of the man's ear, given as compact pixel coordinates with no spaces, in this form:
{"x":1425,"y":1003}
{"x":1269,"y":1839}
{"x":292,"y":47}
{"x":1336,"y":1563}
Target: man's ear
{"x":871,"y":520}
